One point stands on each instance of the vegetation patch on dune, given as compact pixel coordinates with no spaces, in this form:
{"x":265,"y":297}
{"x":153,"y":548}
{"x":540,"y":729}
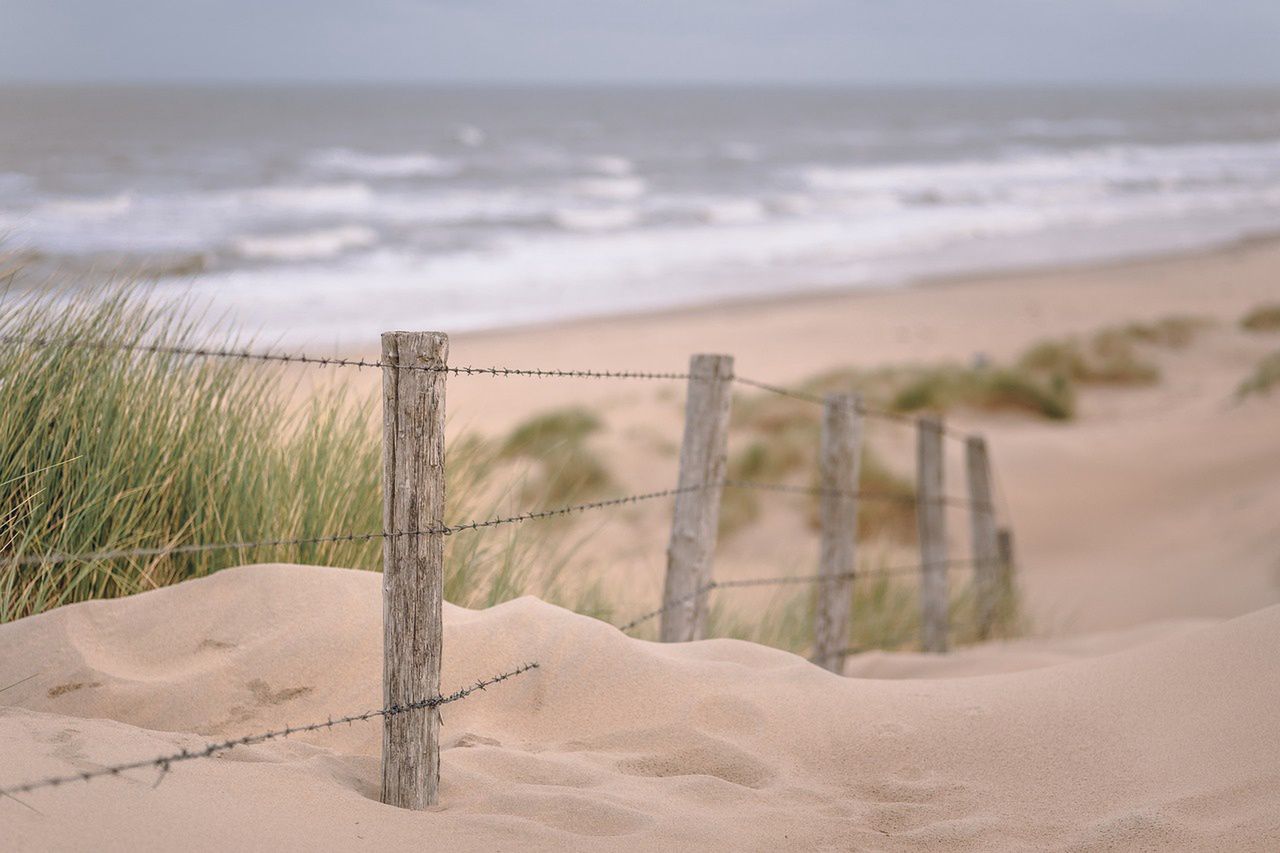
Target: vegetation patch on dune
{"x":992,"y":389}
{"x":556,"y":443}
{"x":782,"y":447}
{"x":1262,"y":318}
{"x":885,"y":614}
{"x":1264,"y":378}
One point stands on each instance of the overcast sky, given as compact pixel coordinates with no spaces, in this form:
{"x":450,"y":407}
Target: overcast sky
{"x":584,"y":41}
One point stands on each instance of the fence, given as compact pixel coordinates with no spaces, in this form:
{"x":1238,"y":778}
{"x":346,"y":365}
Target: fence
{"x":414,"y":367}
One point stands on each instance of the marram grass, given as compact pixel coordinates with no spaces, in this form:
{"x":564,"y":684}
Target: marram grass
{"x":102,"y":449}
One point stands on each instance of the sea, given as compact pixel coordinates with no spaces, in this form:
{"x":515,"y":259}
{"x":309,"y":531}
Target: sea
{"x":321,"y":214}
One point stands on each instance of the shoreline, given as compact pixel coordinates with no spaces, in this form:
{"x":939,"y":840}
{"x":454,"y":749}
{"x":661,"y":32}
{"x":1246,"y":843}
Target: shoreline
{"x":993,"y":275}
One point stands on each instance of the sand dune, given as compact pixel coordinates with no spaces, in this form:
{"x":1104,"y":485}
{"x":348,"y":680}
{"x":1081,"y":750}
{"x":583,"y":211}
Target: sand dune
{"x":617,"y":743}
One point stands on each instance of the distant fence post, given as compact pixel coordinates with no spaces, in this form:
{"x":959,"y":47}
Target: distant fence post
{"x":838,"y":464}
{"x":1007,"y":564}
{"x":932,"y":520}
{"x":982,"y":528}
{"x":412,"y":565}
{"x":703,"y":459}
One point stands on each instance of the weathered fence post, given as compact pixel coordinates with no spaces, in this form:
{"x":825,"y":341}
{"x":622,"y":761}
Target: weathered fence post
{"x":982,"y":529}
{"x":838,"y":464}
{"x":703,"y":457}
{"x":1006,"y":562}
{"x":932,"y":520}
{"x":413,"y":385}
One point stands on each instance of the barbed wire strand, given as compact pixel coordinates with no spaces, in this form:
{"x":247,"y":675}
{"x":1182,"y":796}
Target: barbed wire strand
{"x":163,"y":762}
{"x":337,"y":361}
{"x":816,"y":491}
{"x":456,"y":370}
{"x":449,"y":530}
{"x":863,"y":408}
{"x":785,"y":579}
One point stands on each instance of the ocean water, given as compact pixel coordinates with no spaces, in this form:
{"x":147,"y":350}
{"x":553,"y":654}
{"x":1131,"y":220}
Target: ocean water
{"x":329,"y":214}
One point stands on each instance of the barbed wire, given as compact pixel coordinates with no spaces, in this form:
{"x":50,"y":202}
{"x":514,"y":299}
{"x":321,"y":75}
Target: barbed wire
{"x":55,"y":558}
{"x":456,"y":370}
{"x":164,"y":762}
{"x":338,"y":361}
{"x":449,"y":530}
{"x":862,"y":408}
{"x":786,"y":579}
{"x":817,"y":491}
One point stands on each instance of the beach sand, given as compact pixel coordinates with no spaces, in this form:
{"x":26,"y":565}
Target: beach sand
{"x":621,"y":744}
{"x":1155,"y":503}
{"x":1139,"y":714}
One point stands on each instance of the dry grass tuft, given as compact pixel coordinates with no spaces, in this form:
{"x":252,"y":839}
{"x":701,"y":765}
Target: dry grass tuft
{"x":1262,"y":318}
{"x":1265,"y":377}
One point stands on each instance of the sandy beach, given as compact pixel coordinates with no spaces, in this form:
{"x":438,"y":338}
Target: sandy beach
{"x":1138,"y":713}
{"x":1156,"y":503}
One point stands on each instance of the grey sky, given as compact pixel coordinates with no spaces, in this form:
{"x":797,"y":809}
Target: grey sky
{"x":862,"y":41}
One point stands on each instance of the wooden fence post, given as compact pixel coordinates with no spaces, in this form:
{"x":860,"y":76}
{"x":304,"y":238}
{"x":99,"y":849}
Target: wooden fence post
{"x":838,"y":463}
{"x":982,"y":528}
{"x":412,"y":565}
{"x":932,"y":520}
{"x":703,"y":459}
{"x":1006,"y":562}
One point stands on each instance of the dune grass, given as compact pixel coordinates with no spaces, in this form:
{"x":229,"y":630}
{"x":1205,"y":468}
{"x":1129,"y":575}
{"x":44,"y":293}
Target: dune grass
{"x":1262,"y":318}
{"x":1112,"y":356}
{"x":1264,"y":378}
{"x":103,"y":449}
{"x":784,"y":438}
{"x":556,"y":442}
{"x":992,"y":389}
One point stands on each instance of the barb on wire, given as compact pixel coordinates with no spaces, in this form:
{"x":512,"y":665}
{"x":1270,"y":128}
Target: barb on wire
{"x":164,"y":762}
{"x":782,"y":580}
{"x":449,"y":530}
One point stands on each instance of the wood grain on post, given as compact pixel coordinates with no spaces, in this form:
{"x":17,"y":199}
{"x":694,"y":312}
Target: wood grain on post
{"x":838,"y":464}
{"x":982,"y":531}
{"x":413,"y":565}
{"x":932,"y":520}
{"x":703,"y":457}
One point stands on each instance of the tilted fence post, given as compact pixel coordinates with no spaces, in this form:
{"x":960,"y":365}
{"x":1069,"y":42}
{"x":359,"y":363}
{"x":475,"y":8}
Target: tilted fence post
{"x":932,"y":521}
{"x":838,"y":463}
{"x":703,"y":460}
{"x":982,"y":530}
{"x":413,"y":386}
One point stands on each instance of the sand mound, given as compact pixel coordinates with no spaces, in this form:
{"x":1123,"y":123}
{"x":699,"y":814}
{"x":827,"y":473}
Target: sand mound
{"x":616,"y":743}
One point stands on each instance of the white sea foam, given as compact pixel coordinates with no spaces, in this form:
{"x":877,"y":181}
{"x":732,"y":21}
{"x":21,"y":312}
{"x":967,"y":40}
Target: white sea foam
{"x":100,"y":207}
{"x":344,"y":161}
{"x":740,"y":211}
{"x":320,"y":244}
{"x":613,"y":189}
{"x":336,"y":198}
{"x":1044,"y":175}
{"x":595,"y":219}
